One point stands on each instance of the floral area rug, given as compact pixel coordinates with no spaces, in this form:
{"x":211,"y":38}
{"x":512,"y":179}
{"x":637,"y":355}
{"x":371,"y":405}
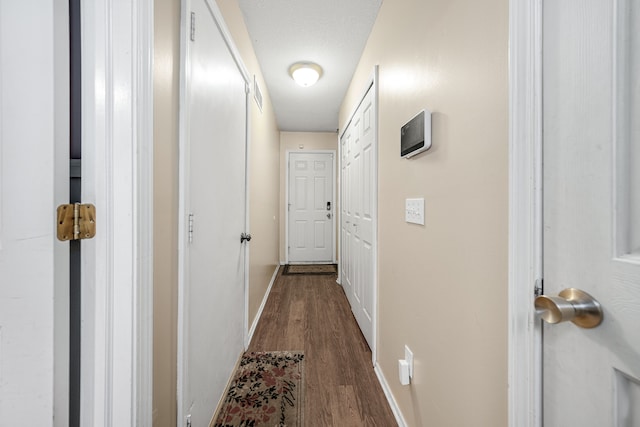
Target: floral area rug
{"x":267,"y":390}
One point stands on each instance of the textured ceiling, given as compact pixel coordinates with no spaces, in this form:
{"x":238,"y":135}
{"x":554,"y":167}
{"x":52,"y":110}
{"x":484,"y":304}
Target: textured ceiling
{"x":331,"y":33}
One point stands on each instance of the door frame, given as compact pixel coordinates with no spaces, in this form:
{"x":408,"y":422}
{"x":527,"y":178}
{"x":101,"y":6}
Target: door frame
{"x":525,"y":212}
{"x":333,"y":200}
{"x":372,"y":83}
{"x":117,"y":265}
{"x":183,"y":185}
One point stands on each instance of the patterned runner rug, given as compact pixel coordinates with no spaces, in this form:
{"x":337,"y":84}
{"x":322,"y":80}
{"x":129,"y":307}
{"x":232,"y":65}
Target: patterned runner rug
{"x":310,"y":269}
{"x":267,"y":390}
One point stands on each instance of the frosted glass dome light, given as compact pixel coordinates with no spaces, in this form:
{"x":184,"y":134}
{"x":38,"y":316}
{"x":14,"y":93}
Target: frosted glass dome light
{"x":305,"y":73}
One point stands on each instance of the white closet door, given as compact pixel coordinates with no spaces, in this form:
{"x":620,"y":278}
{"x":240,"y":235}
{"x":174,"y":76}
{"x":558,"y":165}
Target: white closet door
{"x":358,"y":213}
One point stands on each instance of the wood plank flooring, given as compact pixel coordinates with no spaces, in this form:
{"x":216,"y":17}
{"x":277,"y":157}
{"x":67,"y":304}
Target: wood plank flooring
{"x":312,"y":314}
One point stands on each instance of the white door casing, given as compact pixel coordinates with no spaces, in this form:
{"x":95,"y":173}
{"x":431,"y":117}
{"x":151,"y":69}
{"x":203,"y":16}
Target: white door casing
{"x":34,"y":177}
{"x":525,"y":212}
{"x":358,"y":153}
{"x":591,"y":101}
{"x":117,"y":177}
{"x":212,"y":319}
{"x":311,"y":207}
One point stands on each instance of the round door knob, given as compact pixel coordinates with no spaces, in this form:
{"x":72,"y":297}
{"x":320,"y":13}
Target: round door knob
{"x":570,"y":305}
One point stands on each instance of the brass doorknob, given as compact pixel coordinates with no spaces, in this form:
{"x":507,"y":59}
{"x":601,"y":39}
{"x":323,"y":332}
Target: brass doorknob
{"x":571,"y":304}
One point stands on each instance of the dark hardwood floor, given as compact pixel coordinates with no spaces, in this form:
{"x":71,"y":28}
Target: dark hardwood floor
{"x":312,"y":314}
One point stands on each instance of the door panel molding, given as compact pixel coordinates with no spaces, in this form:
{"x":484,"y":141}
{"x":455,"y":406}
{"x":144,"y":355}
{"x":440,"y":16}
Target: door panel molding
{"x":525,"y":211}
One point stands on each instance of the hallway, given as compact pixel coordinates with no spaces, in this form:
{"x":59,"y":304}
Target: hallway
{"x":311,"y":313}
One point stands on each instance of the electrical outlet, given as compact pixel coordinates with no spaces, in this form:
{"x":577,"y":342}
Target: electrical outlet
{"x":408,"y":356}
{"x":414,"y":211}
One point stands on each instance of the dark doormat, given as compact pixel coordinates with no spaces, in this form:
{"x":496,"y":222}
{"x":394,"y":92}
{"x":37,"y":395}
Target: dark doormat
{"x":313,"y":269}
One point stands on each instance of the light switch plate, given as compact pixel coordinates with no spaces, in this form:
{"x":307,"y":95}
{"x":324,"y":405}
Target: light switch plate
{"x":414,"y":211}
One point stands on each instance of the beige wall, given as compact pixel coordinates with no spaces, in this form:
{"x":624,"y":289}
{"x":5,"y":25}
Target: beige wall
{"x":165,"y":199}
{"x":291,"y":141}
{"x":263,"y":169}
{"x":443,"y":286}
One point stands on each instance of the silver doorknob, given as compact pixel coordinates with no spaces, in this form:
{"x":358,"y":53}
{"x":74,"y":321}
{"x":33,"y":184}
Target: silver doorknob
{"x":570,"y":304}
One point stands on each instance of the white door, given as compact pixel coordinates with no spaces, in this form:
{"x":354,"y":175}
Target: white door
{"x":357,"y":221}
{"x":214,"y":300}
{"x":591,"y":138}
{"x":311,"y":207}
{"x":33,"y":264}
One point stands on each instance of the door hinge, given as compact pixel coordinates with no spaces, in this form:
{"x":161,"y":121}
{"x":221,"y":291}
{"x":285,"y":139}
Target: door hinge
{"x":192,"y":35}
{"x":190,"y":228}
{"x":76,"y":221}
{"x":537,"y":287}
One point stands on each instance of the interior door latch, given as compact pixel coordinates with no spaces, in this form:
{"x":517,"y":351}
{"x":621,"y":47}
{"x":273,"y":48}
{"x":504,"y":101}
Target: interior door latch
{"x":76,"y":222}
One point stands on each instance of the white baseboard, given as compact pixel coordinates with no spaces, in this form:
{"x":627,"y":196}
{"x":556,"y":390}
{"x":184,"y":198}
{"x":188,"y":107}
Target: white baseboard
{"x":264,"y":301}
{"x":387,"y":392}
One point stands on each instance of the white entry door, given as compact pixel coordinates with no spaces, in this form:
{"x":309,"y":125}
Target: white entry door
{"x":358,"y":208}
{"x":591,"y":138}
{"x":214,"y":216}
{"x":33,"y":179}
{"x":311,"y":207}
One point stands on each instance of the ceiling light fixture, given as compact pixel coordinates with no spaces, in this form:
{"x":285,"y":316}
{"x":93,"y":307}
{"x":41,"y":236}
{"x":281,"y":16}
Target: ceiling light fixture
{"x":305,"y":73}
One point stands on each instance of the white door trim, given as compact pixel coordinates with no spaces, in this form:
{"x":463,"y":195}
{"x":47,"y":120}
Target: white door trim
{"x":117,"y":278}
{"x":286,"y":200}
{"x":372,"y":84}
{"x":183,"y":184}
{"x":525,"y":211}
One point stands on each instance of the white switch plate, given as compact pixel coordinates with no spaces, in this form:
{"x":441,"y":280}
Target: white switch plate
{"x":414,"y":211}
{"x":408,"y":356}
